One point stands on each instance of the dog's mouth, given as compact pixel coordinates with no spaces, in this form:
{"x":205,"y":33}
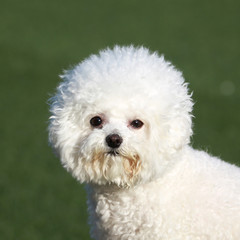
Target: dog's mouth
{"x":116,"y":166}
{"x":113,"y":153}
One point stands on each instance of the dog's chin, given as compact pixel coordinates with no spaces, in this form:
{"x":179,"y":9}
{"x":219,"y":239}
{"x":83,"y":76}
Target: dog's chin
{"x":114,"y":167}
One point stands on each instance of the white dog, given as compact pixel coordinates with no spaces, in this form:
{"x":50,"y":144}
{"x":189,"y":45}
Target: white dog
{"x":121,"y":123}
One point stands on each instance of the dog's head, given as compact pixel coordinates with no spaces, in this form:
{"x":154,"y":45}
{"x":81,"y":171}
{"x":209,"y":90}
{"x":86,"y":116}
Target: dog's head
{"x":117,"y":117}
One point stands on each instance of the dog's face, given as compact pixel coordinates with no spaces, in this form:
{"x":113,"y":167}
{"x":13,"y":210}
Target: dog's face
{"x":111,"y":126}
{"x":110,"y":150}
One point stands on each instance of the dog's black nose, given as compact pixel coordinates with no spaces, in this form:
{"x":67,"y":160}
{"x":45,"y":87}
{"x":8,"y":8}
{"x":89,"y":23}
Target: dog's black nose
{"x":114,"y":140}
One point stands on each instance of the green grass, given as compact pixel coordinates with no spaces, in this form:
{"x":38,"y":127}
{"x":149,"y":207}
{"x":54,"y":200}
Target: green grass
{"x":38,"y":199}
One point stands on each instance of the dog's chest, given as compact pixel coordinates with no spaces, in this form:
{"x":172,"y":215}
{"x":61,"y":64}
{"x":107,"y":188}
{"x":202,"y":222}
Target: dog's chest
{"x":133,"y":214}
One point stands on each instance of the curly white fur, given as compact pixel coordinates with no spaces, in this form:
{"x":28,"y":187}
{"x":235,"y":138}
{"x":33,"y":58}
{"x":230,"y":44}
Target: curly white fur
{"x":154,"y":185}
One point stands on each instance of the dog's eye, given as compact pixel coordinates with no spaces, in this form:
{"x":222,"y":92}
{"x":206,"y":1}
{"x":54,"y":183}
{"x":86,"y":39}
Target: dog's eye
{"x":137,"y":123}
{"x":96,"y":121}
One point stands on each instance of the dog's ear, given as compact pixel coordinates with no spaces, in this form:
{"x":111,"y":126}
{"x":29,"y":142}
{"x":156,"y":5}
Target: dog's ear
{"x":180,"y":131}
{"x":175,"y":126}
{"x":63,"y":130}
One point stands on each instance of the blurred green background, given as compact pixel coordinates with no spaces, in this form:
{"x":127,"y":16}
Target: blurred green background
{"x":40,"y":38}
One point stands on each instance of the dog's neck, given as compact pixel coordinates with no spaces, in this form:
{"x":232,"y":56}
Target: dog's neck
{"x":112,"y":188}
